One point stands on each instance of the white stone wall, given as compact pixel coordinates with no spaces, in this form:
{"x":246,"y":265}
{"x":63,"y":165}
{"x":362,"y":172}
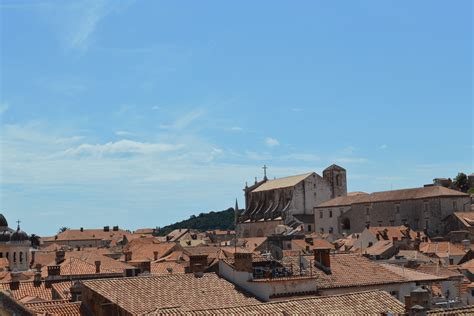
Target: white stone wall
{"x":19,"y":255}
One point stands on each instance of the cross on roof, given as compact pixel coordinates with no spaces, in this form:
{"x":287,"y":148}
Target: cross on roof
{"x":264,"y":171}
{"x":18,"y":222}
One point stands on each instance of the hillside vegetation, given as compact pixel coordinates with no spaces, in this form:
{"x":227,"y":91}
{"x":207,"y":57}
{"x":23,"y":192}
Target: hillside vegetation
{"x":205,"y":221}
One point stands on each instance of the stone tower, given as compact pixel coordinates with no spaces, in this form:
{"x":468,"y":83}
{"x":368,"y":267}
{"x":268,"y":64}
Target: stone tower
{"x":336,"y":177}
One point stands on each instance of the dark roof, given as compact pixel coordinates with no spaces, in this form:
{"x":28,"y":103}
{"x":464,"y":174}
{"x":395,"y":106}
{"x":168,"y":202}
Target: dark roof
{"x":394,"y":195}
{"x":3,"y":221}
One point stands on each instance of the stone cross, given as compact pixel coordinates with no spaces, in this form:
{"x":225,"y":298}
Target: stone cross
{"x":264,"y":171}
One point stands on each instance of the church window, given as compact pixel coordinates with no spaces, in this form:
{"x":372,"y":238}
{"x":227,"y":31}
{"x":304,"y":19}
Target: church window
{"x":14,"y":257}
{"x":330,"y":213}
{"x":21,"y":256}
{"x":320,"y":214}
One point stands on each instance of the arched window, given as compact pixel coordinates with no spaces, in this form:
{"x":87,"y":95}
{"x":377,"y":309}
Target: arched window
{"x":14,"y":257}
{"x":21,"y":256}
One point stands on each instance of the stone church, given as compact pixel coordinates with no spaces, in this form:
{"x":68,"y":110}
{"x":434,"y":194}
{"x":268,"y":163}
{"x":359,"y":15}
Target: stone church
{"x":286,"y":204}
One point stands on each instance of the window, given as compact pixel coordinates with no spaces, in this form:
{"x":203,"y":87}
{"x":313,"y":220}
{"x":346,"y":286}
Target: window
{"x":1,"y":254}
{"x":309,"y":228}
{"x":451,"y":261}
{"x":367,"y":210}
{"x":331,"y":230}
{"x":338,"y":180}
{"x":14,"y":257}
{"x":472,"y":292}
{"x":21,"y":256}
{"x":397,"y":208}
{"x":320,"y":214}
{"x":330,"y":213}
{"x":321,"y":230}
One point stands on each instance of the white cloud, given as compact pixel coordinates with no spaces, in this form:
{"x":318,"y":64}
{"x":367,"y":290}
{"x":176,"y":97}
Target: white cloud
{"x":271,"y":142}
{"x":123,"y":146}
{"x":236,"y":129}
{"x":123,"y":133}
{"x":3,"y":107}
{"x":187,"y":119}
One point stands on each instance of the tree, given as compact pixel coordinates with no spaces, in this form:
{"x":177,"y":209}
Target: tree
{"x":63,"y":229}
{"x":461,"y":182}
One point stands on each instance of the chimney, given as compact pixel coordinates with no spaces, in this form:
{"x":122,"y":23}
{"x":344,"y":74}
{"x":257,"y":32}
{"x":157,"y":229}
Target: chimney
{"x":82,"y":229}
{"x":97,"y":266}
{"x":76,"y":291}
{"x":128,"y":256}
{"x":322,"y":259}
{"x":60,"y":256}
{"x":37,"y":277}
{"x":243,"y":262}
{"x":106,"y":228}
{"x":197,"y":263}
{"x":54,"y":271}
{"x":145,"y":266}
{"x":155,"y":255}
{"x":115,"y":228}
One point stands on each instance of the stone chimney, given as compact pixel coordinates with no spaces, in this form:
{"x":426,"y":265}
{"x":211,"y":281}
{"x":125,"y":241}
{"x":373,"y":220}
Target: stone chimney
{"x":106,"y":228}
{"x":418,"y":303}
{"x":82,"y":229}
{"x":197,"y":263}
{"x":54,"y":271}
{"x":97,"y":266}
{"x":155,"y":255}
{"x":76,"y":291}
{"x":322,"y":259}
{"x":243,"y":262}
{"x":37,"y":278}
{"x":60,"y":256}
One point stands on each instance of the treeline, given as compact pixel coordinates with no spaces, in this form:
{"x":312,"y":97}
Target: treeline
{"x":205,"y":221}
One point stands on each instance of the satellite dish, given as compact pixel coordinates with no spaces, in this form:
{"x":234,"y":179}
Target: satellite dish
{"x":276,"y":252}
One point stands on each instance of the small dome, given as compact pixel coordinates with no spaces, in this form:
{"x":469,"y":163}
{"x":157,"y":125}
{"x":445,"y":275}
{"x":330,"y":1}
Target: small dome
{"x":19,"y":235}
{"x":5,"y":236}
{"x":3,"y":221}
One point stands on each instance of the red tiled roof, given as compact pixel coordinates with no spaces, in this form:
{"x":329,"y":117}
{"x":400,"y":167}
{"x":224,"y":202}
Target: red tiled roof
{"x":361,"y":303}
{"x":141,"y":295}
{"x":55,"y":308}
{"x":167,"y":267}
{"x":441,"y":249}
{"x":144,"y":248}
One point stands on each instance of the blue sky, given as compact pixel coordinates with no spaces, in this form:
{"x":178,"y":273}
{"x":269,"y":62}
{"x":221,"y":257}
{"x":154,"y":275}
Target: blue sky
{"x":141,"y":113}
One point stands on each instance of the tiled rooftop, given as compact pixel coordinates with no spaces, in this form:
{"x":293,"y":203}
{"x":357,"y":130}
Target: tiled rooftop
{"x":144,"y":248}
{"x":361,"y":303}
{"x":30,"y":289}
{"x":55,"y":308}
{"x":140,"y":295}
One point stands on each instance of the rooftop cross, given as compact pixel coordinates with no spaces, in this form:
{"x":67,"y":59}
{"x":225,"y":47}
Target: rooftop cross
{"x":265,"y":171}
{"x":18,"y":222}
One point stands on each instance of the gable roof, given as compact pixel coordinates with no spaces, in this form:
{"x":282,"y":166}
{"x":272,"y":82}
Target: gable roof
{"x":393,"y":195}
{"x":467,"y":218}
{"x":281,"y":183}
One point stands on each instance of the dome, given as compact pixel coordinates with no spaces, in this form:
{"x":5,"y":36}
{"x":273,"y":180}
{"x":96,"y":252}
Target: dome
{"x":19,"y":235}
{"x":5,"y":236}
{"x":3,"y":221}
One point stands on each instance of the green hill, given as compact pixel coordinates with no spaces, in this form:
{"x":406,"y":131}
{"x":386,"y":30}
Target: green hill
{"x":205,"y":221}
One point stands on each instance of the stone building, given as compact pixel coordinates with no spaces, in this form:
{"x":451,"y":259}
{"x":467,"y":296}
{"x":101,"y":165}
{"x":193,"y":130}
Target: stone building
{"x":420,"y":208}
{"x":287,"y":203}
{"x":14,"y":246}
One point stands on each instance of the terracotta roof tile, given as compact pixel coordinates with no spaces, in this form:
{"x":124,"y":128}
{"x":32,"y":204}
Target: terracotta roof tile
{"x":29,"y":288}
{"x":55,"y":308}
{"x":139,"y":295}
{"x":361,"y":303}
{"x":393,"y":195}
{"x":167,"y":267}
{"x":144,"y":248}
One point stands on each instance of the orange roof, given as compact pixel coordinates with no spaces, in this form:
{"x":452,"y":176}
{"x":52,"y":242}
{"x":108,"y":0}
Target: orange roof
{"x":393,"y":195}
{"x":144,"y":248}
{"x":441,"y":249}
{"x":29,"y":289}
{"x":141,"y":295}
{"x":467,"y":218}
{"x":83,"y":263}
{"x":360,"y":303}
{"x":167,"y":267}
{"x":91,"y":234}
{"x":55,"y":308}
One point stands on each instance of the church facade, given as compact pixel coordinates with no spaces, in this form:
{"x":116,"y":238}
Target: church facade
{"x":273,"y":206}
{"x":14,"y":246}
